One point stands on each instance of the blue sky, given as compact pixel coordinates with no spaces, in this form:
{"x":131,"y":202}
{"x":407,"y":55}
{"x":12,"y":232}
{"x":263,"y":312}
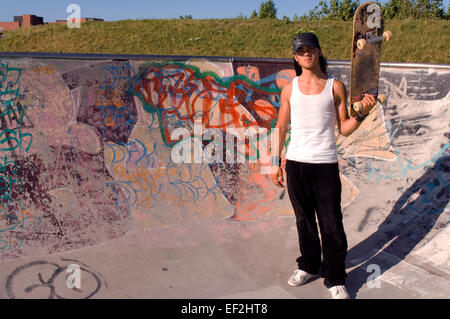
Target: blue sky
{"x":111,"y":10}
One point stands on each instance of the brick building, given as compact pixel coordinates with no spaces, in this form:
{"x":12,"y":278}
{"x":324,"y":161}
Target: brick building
{"x":28,"y":20}
{"x":25,"y":20}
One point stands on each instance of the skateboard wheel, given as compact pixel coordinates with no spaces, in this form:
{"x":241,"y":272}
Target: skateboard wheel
{"x":361,"y":44}
{"x":381,"y":98}
{"x":387,"y":35}
{"x":358,"y":106}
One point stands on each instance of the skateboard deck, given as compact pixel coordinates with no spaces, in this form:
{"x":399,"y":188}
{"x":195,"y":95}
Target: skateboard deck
{"x":368,"y":29}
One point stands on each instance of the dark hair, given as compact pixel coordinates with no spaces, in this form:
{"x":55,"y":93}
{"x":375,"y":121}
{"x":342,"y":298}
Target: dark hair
{"x":323,"y":66}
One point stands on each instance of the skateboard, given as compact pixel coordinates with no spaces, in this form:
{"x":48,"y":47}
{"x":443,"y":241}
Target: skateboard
{"x":368,"y":36}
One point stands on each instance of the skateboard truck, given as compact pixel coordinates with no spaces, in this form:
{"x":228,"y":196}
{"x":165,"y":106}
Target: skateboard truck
{"x":357,"y":106}
{"x":361,"y":43}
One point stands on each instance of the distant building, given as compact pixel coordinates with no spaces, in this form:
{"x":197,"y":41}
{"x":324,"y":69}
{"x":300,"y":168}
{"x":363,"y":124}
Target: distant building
{"x":25,"y":20}
{"x":74,"y":20}
{"x":28,"y":20}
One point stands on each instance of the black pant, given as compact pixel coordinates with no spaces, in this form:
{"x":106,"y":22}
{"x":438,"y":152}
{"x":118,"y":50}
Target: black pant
{"x":316,"y":188}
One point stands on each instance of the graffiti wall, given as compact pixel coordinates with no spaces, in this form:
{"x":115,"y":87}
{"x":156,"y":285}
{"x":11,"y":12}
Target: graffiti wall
{"x":95,"y":148}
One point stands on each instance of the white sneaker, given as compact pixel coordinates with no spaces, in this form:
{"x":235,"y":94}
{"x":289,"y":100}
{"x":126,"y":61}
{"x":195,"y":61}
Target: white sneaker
{"x":339,"y":292}
{"x":299,"y":277}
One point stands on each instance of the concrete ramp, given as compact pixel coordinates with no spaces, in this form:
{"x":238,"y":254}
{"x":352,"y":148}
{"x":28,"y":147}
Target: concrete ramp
{"x":149,"y":173}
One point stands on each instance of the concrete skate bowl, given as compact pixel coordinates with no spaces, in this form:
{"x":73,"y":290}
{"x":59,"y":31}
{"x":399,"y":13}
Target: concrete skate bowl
{"x":87,"y":148}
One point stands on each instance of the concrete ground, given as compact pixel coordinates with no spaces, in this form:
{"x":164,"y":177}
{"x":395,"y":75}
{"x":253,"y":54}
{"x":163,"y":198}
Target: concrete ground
{"x":205,"y":260}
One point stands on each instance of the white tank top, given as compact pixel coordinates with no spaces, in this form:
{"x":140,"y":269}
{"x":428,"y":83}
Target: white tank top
{"x":313,"y":122}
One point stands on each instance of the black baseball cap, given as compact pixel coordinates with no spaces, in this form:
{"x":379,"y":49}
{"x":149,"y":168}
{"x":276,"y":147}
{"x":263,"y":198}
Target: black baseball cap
{"x":305,"y":39}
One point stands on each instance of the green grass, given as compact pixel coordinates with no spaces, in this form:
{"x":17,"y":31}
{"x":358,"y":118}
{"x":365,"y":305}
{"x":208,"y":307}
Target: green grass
{"x":413,"y":40}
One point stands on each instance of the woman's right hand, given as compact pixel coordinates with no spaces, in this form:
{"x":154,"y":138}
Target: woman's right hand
{"x":277,"y":176}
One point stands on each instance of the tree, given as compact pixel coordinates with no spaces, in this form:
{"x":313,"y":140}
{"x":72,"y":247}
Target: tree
{"x":336,"y":10}
{"x":413,"y":9}
{"x":267,"y":10}
{"x":254,"y":15}
{"x":186,"y":17}
{"x":398,"y":9}
{"x":286,"y":19}
{"x":324,"y":11}
{"x":429,"y":9}
{"x":392,"y":9}
{"x":347,"y":9}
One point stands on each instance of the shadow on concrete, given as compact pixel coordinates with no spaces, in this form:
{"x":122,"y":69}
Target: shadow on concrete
{"x":411,"y":219}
